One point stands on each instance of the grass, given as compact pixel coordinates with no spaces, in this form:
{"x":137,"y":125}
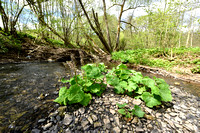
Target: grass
{"x":159,"y":58}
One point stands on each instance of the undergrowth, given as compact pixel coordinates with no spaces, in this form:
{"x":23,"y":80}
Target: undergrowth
{"x":95,"y":78}
{"x":160,"y":58}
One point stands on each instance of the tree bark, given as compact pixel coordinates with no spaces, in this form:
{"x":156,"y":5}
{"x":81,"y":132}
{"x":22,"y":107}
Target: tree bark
{"x":119,"y":25}
{"x":107,"y":27}
{"x":96,"y":30}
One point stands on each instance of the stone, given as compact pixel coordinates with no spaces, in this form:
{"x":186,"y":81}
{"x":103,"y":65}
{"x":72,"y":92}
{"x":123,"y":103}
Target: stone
{"x":106,"y":121}
{"x":167,"y":116}
{"x":158,"y":115}
{"x":112,"y":111}
{"x":149,"y":126}
{"x":97,"y":124}
{"x":90,"y":120}
{"x":53,"y":114}
{"x":149,"y":117}
{"x":94,"y":117}
{"x":41,"y":120}
{"x":176,"y":83}
{"x":135,"y":120}
{"x":136,"y":101}
{"x":138,"y":129}
{"x":81,"y":110}
{"x":48,"y":125}
{"x":61,"y":110}
{"x":116,"y":130}
{"x":84,"y":123}
{"x":117,"y":121}
{"x":68,"y":130}
{"x":35,"y":130}
{"x":67,"y":119}
{"x":173,"y":114}
{"x":58,"y":118}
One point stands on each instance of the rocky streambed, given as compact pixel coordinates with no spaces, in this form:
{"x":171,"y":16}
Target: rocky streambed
{"x":182,"y":115}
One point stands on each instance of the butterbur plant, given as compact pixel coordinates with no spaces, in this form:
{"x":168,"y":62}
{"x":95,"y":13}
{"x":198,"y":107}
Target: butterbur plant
{"x":83,"y":86}
{"x":151,"y":91}
{"x":92,"y":82}
{"x":127,"y":112}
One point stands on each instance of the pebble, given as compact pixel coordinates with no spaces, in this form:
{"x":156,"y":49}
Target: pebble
{"x":181,"y":116}
{"x":48,"y":125}
{"x":67,"y":119}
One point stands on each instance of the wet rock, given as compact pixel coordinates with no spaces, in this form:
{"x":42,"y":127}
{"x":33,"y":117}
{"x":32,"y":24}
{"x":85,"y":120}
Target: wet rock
{"x":41,"y":120}
{"x":48,"y":125}
{"x":53,"y":114}
{"x":67,"y":119}
{"x":61,"y":110}
{"x":35,"y":131}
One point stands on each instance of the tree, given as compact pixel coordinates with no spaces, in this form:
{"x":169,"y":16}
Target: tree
{"x":10,"y":12}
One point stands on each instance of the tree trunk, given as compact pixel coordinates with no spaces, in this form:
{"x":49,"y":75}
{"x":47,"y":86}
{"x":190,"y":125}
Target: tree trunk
{"x":107,"y":27}
{"x":119,"y":25}
{"x":96,"y":30}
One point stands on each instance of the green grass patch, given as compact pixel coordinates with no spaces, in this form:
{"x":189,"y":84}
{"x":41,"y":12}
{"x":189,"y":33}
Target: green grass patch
{"x":160,"y":58}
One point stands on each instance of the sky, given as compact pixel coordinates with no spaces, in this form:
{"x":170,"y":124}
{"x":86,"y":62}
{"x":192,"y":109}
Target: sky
{"x":138,"y":12}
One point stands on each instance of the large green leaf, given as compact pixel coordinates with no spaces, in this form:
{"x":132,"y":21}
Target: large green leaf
{"x":150,"y":100}
{"x":121,"y":105}
{"x":61,"y":100}
{"x":62,"y":91}
{"x":112,"y":80}
{"x":123,"y":84}
{"x":75,"y":94}
{"x":148,"y":82}
{"x":95,"y":88}
{"x":165,"y":92}
{"x":122,"y":111}
{"x":121,"y":66}
{"x":137,"y":78}
{"x":119,"y":90}
{"x":140,"y":90}
{"x":137,"y":111}
{"x":131,"y":86}
{"x":86,"y":100}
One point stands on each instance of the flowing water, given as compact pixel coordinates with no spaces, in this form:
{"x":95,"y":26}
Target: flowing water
{"x":22,"y":84}
{"x":21,"y":88}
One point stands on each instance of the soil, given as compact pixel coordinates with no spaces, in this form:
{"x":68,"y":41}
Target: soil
{"x":35,"y":52}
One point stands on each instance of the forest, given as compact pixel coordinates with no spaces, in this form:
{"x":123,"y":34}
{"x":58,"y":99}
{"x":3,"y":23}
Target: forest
{"x":99,"y":66}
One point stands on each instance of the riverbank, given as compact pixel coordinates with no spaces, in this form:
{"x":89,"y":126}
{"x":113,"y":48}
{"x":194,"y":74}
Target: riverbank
{"x":182,"y":115}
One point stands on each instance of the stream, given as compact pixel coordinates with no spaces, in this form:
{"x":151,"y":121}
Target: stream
{"x":27,"y":90}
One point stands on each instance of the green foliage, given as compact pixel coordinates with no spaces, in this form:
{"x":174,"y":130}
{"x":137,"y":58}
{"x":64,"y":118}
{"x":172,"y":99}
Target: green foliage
{"x":55,"y":42}
{"x":196,"y":69}
{"x":124,"y":81}
{"x":83,"y":86}
{"x":151,"y":91}
{"x":127,"y":112}
{"x":9,"y":43}
{"x":156,"y":57}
